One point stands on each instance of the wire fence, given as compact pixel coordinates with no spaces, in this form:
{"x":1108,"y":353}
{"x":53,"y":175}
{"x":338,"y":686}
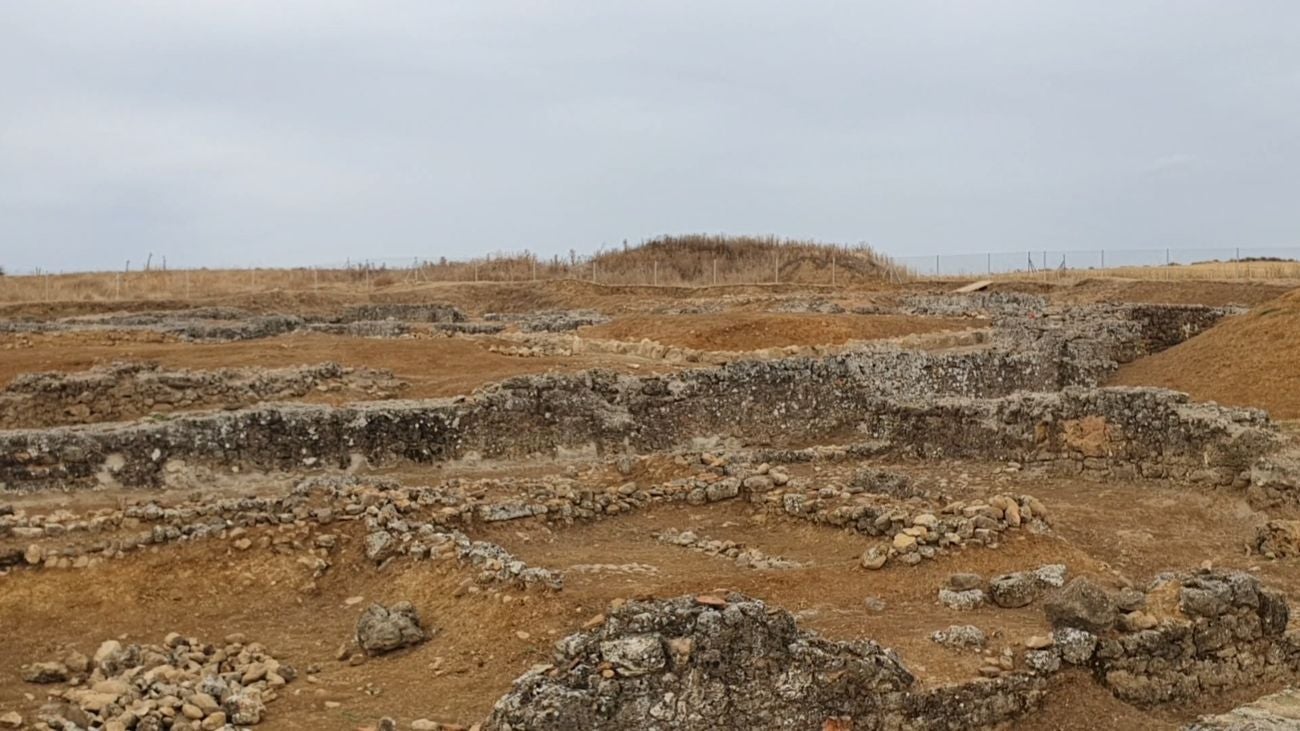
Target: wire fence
{"x":832,"y":266}
{"x":1048,"y":260}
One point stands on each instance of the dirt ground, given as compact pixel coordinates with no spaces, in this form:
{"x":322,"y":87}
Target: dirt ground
{"x":1114,"y":532}
{"x":434,"y":367}
{"x":1250,"y":360}
{"x":447,"y":366}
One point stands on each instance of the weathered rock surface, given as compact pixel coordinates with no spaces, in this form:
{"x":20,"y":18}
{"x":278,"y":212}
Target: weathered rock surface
{"x":130,"y":390}
{"x":1088,"y":430}
{"x":733,"y":663}
{"x":384,"y":629}
{"x":1082,"y":605}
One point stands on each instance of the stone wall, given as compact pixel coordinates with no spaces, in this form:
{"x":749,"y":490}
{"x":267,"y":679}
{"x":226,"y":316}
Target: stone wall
{"x":206,"y":324}
{"x":129,"y":390}
{"x":789,"y":403}
{"x":423,"y":312}
{"x":1127,"y":432}
{"x":1216,"y":631}
{"x":719,"y":663}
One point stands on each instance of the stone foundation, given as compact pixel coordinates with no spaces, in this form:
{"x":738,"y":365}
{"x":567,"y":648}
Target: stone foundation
{"x":718,"y":663}
{"x":130,"y":390}
{"x":790,"y":403}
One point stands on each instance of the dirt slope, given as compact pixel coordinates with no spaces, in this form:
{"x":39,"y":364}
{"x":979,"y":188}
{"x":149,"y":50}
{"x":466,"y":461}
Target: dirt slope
{"x":1250,"y":360}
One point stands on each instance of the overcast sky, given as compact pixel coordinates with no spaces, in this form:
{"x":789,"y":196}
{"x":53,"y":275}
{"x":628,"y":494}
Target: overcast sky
{"x":276,"y":132}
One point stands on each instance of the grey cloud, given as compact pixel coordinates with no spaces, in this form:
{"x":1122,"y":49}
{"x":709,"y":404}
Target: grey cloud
{"x":231,"y":133}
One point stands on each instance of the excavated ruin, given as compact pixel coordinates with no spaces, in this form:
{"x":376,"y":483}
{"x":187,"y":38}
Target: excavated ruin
{"x":1024,"y":392}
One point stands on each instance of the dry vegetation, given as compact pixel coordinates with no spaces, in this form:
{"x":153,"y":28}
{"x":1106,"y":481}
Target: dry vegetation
{"x":1201,"y":271}
{"x":694,"y":260}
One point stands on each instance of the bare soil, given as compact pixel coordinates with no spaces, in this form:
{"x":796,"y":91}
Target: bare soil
{"x":1114,"y":532}
{"x":1250,"y":360}
{"x":434,"y":367}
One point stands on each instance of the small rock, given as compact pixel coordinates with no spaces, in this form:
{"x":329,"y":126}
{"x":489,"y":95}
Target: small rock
{"x":1205,"y":597}
{"x":45,"y":672}
{"x":962,"y":600}
{"x":1137,"y":621}
{"x":904,"y":542}
{"x":960,"y":635}
{"x":1052,"y":575}
{"x":1042,"y":662}
{"x":1129,"y":599}
{"x":11,"y":719}
{"x":380,"y":545}
{"x":874,"y":558}
{"x":381,"y":629}
{"x":1013,"y":590}
{"x":1038,"y":642}
{"x":1082,"y":605}
{"x":1074,"y":645}
{"x":245,"y":707}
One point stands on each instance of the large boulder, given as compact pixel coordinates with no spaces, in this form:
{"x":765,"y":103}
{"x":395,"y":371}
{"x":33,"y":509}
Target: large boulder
{"x":713,"y":663}
{"x":1082,"y":605}
{"x":381,"y":629}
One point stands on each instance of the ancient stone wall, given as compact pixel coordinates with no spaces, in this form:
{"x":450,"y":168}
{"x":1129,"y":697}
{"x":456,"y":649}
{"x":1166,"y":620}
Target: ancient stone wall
{"x":423,"y":312}
{"x":209,"y":324}
{"x":718,"y":663}
{"x":789,"y":403}
{"x":129,"y":390}
{"x":1215,"y":631}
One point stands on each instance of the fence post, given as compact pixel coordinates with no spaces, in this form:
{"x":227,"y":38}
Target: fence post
{"x":656,"y":274}
{"x":1103,"y":258}
{"x":989,"y":264}
{"x":832,"y":268}
{"x":593,"y":271}
{"x":776,"y":267}
{"x":715,"y":271}
{"x":936,"y":265}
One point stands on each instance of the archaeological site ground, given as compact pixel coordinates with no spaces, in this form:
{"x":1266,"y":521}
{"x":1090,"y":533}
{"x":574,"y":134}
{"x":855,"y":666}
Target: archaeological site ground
{"x":509,"y":505}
